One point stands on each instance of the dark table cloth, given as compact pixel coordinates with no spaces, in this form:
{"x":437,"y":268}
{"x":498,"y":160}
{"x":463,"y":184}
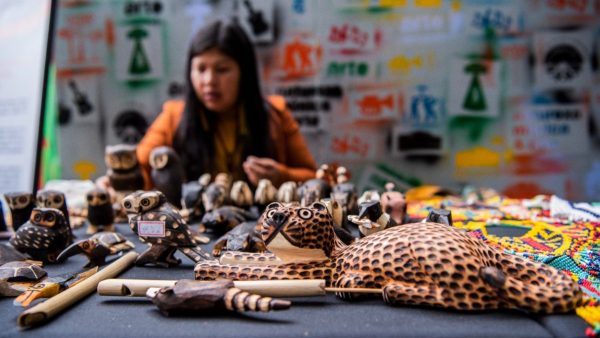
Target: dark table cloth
{"x":97,"y":316}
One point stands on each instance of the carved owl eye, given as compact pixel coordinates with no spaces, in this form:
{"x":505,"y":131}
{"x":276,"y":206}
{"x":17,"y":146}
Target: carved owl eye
{"x":57,"y":199}
{"x":305,"y":213}
{"x":145,"y":202}
{"x":37,"y":218}
{"x":102,"y":197}
{"x":90,"y":198}
{"x":40,"y":200}
{"x":127,"y":205}
{"x":49,"y":218}
{"x":23,"y":199}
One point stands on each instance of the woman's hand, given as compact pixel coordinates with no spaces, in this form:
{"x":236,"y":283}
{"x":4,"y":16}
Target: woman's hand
{"x":262,"y":167}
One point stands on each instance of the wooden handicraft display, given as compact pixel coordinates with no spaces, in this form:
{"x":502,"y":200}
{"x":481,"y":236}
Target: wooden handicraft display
{"x":428,"y":264}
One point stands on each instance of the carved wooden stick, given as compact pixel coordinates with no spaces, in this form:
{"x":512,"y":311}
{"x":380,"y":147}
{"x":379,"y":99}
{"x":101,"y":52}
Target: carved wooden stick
{"x":271,"y":288}
{"x":53,"y":306}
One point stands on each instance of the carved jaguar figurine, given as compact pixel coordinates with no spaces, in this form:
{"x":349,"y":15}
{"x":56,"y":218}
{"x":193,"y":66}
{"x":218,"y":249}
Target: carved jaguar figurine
{"x":427,"y":264}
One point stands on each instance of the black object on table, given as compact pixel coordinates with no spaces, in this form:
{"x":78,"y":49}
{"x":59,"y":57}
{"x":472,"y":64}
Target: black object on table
{"x":327,"y":316}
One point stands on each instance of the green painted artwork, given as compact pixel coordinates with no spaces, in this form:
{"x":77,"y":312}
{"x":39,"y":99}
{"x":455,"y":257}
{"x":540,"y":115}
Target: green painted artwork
{"x":138,"y":64}
{"x":475,"y":98}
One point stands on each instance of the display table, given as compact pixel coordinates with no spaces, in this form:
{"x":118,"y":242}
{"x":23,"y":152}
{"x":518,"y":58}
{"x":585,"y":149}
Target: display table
{"x":327,"y":316}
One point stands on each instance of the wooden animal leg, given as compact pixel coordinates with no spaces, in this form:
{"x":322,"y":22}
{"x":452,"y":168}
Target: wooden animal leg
{"x":155,"y":254}
{"x":218,"y":247}
{"x":350,"y":280}
{"x":257,"y":245}
{"x":169,"y":257}
{"x":410,"y":294}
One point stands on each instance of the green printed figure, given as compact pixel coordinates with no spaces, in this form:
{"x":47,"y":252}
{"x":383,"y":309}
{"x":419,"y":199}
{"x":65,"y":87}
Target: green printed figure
{"x":475,"y":99}
{"x":139,"y":62}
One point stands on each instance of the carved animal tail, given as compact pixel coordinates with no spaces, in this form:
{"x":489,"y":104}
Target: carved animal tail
{"x":211,"y":270}
{"x":240,"y":301}
{"x":532,"y":286}
{"x":196,"y":253}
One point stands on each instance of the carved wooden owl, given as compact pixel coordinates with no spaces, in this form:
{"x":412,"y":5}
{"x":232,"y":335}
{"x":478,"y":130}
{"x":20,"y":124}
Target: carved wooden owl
{"x":167,"y":173}
{"x":157,"y":222}
{"x":124,"y":172}
{"x":20,"y":204}
{"x":52,"y":199}
{"x":100,"y":212}
{"x":44,"y":236}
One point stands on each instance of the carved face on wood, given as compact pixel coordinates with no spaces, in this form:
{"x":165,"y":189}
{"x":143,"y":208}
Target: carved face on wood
{"x":120,"y":156}
{"x":50,"y":199}
{"x":97,"y":197}
{"x":142,"y":201}
{"x":306,"y":228}
{"x":161,"y":157}
{"x":19,"y":200}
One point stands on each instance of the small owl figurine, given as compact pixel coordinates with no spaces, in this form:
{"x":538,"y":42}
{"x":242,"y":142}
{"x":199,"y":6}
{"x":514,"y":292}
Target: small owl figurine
{"x":20,"y":204}
{"x":159,"y":224}
{"x":44,"y":236}
{"x":167,"y":173}
{"x":56,"y":200}
{"x":100,"y":212}
{"x":124,"y":172}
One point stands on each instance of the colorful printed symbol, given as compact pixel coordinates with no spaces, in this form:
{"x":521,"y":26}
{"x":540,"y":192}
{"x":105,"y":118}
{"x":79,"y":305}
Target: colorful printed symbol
{"x":139,"y":61}
{"x":372,"y":105}
{"x":422,"y":106}
{"x":301,"y":59}
{"x":475,"y":98}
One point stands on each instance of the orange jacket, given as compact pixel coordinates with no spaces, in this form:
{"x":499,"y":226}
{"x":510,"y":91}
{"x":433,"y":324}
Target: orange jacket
{"x":289,"y":144}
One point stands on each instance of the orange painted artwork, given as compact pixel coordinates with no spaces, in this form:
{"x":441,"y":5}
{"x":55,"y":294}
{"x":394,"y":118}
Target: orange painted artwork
{"x":301,"y":58}
{"x":372,"y":105}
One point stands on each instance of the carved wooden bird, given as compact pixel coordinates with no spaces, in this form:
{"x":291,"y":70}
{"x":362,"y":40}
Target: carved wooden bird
{"x":159,"y":224}
{"x":20,"y":205}
{"x":44,"y":236}
{"x":167,"y":173}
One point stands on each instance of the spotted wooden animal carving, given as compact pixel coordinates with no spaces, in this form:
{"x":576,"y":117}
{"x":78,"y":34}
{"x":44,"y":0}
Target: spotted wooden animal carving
{"x":44,"y":236}
{"x":421,"y":263}
{"x":57,"y":200}
{"x":159,"y":224}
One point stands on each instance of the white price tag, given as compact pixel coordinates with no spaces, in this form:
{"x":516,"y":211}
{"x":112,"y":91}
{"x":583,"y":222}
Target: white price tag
{"x":151,"y":228}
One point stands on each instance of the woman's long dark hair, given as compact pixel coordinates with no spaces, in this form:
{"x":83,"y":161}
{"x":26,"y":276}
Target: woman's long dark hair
{"x":192,"y":143}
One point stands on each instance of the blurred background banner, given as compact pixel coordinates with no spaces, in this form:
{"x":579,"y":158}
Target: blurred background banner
{"x":25,"y":37}
{"x":500,"y":93}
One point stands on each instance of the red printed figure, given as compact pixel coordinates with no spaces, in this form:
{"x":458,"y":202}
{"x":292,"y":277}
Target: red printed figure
{"x":350,"y":145}
{"x":578,"y":5}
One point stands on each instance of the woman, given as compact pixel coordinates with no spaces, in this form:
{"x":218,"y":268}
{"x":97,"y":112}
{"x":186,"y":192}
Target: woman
{"x":224,"y":124}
